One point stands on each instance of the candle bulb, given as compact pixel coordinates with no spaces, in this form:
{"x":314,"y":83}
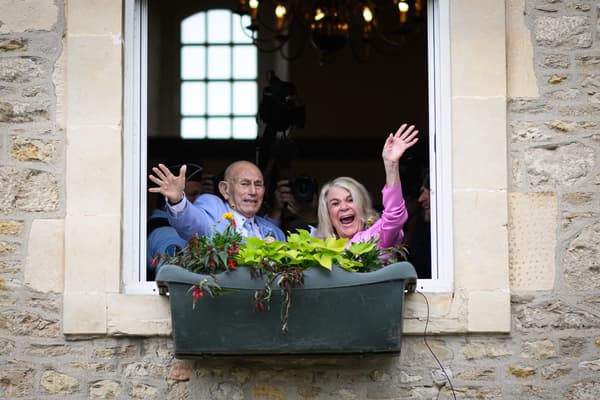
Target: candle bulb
{"x":253,"y":9}
{"x":403,"y":8}
{"x":280,"y":12}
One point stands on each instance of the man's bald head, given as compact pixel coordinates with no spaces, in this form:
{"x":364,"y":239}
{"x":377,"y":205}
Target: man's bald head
{"x":243,"y":187}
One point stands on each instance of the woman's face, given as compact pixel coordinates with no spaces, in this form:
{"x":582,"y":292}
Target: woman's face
{"x":345,"y":219}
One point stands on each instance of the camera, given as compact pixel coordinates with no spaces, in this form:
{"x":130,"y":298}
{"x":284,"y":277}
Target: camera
{"x":303,"y":188}
{"x":279,"y":108}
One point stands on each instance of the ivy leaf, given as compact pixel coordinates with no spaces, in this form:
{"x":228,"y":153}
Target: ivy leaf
{"x":325,"y":260}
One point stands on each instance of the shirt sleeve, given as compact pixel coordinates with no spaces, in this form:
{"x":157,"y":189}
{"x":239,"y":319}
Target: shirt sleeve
{"x":188,"y":218}
{"x":388,"y":228}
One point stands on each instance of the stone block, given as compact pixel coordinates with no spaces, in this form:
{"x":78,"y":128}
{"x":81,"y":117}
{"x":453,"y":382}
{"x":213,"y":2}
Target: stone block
{"x":45,"y":256}
{"x":16,"y":383}
{"x":20,"y":112}
{"x":489,"y":311}
{"x":479,"y":123}
{"x":481,"y":240}
{"x":33,"y":150}
{"x":25,"y":323}
{"x":84,"y":313}
{"x":55,"y":383}
{"x":582,"y":257}
{"x":532,"y":240}
{"x":92,"y":253}
{"x":100,"y":17}
{"x":28,"y":15}
{"x":478,"y":33}
{"x":94,"y":155}
{"x":85,"y":104}
{"x":18,"y":45}
{"x":11,"y":227}
{"x":550,"y":167}
{"x":521,"y":78}
{"x":138,"y":315}
{"x":105,"y":389}
{"x":563,"y":31}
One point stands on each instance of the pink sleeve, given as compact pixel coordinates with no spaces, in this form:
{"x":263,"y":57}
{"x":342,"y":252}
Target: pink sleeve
{"x":388,"y":228}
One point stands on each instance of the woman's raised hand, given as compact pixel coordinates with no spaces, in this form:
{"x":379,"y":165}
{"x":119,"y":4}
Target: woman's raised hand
{"x":397,"y":143}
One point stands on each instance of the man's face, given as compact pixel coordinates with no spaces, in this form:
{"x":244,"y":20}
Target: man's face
{"x":424,"y":202}
{"x":244,"y":189}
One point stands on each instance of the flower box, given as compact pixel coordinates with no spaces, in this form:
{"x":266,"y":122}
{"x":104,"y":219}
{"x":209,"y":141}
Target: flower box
{"x":333,"y":312}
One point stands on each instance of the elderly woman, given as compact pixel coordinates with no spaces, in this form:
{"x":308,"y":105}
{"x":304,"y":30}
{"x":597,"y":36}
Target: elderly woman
{"x":345,"y":209}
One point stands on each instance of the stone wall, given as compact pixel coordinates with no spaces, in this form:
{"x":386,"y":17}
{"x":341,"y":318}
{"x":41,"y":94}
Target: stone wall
{"x":553,"y":351}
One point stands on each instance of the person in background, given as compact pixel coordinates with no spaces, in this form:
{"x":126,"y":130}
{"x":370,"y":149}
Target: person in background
{"x":419,"y":246}
{"x":295,"y":204}
{"x":345,"y":209}
{"x":161,"y":237}
{"x":242,"y":190}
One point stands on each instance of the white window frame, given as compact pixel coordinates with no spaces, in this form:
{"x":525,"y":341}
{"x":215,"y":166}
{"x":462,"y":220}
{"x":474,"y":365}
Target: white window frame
{"x":440,"y":149}
{"x":135,"y":152}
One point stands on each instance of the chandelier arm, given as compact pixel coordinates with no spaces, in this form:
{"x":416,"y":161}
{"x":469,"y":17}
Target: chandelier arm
{"x":302,"y":39}
{"x":298,"y":16}
{"x":273,"y":49}
{"x":265,"y":25}
{"x":294,"y":56}
{"x":245,"y":29}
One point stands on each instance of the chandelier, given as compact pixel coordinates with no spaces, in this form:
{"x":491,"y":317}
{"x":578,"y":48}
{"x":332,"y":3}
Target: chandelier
{"x":330,"y":25}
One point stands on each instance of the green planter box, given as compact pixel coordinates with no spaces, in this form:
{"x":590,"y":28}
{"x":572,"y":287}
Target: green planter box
{"x":334,"y":312}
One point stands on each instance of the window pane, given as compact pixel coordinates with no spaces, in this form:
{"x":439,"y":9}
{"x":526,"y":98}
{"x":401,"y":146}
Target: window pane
{"x":219,"y":128}
{"x":244,"y":98}
{"x":192,"y":98}
{"x":219,"y":62}
{"x":219,"y":26}
{"x":219,"y":98}
{"x":244,"y":128}
{"x":193,"y":128}
{"x":240,"y":33}
{"x":193,"y":63}
{"x":193,"y":29}
{"x":244,"y":62}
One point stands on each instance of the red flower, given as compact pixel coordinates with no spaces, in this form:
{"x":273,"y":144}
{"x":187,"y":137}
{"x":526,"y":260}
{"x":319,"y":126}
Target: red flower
{"x":155,"y":260}
{"x":231,"y":264}
{"x":197,"y":293}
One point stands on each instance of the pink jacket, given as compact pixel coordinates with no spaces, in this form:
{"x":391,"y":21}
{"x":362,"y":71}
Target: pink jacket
{"x":388,"y":228}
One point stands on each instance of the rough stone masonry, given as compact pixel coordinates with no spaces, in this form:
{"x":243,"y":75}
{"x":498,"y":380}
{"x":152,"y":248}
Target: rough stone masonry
{"x":553,"y":351}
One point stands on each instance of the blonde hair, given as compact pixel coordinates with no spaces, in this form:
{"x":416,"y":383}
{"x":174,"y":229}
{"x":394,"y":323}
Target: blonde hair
{"x":360,"y":198}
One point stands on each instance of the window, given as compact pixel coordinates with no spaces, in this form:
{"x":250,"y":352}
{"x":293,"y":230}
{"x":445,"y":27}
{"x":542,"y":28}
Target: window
{"x":209,"y":68}
{"x":218,"y":77}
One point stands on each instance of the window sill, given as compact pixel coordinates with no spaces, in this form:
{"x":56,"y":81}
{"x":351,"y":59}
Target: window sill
{"x":150,"y":315}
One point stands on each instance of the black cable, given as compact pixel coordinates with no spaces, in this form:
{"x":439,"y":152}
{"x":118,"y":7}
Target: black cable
{"x":430,"y":350}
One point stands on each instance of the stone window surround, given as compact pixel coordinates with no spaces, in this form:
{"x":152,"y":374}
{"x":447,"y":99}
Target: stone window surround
{"x":93,"y":298}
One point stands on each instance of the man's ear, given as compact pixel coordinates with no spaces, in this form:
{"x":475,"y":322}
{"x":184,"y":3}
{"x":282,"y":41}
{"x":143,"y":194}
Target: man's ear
{"x":224,"y":189}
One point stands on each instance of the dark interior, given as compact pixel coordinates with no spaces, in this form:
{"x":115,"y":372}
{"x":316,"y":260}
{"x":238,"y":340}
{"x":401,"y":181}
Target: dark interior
{"x":351,"y":106}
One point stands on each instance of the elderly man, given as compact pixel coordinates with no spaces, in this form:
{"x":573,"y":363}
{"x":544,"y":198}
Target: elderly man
{"x":242,"y":190}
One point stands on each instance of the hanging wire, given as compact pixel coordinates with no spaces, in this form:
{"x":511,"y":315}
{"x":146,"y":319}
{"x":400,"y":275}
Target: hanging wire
{"x":431,"y":350}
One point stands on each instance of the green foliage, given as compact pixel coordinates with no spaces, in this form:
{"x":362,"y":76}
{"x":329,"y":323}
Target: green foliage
{"x":282,"y":263}
{"x":208,"y":255}
{"x":304,"y":251}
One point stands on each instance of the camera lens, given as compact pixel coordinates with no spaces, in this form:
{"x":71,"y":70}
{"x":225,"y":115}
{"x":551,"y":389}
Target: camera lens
{"x":303,"y":189}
